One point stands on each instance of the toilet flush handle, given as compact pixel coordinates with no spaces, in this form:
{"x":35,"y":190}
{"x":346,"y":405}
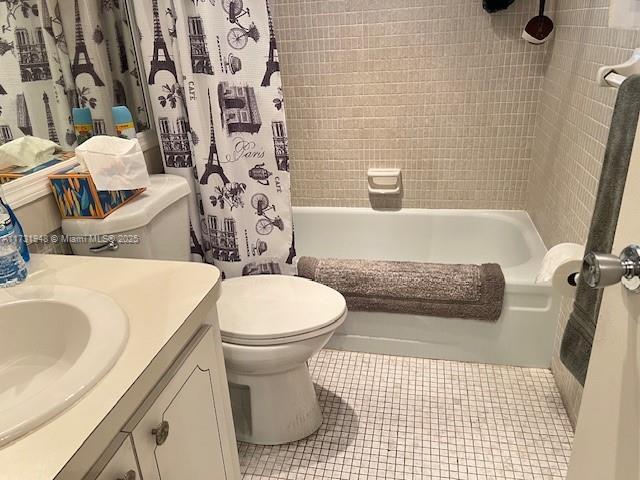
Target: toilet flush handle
{"x":110,"y":246}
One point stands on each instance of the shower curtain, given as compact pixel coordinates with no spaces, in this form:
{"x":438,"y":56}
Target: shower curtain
{"x":213,"y":74}
{"x":58,"y":54}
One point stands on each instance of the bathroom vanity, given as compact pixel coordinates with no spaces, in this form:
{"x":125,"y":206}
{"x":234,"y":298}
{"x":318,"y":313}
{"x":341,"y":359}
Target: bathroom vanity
{"x":162,"y":411}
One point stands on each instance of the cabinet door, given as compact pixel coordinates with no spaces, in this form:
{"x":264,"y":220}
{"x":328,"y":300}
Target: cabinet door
{"x":184,"y":435}
{"x":123,"y":465}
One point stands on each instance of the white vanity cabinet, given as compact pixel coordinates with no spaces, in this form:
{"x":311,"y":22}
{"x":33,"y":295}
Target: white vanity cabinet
{"x":183,"y":428}
{"x":123,"y":464}
{"x":181,"y":435}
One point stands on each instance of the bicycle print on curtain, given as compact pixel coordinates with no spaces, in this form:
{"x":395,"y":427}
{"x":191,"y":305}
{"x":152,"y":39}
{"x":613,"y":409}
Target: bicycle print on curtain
{"x":214,"y":81}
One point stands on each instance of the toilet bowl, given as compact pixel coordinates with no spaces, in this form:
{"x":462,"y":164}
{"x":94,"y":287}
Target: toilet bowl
{"x":270,"y":326}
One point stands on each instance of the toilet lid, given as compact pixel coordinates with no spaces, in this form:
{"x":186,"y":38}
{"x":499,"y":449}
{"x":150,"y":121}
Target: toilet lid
{"x":262,"y":307}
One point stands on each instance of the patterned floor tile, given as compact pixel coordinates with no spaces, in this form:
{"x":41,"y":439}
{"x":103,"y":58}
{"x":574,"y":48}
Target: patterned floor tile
{"x":403,"y":418}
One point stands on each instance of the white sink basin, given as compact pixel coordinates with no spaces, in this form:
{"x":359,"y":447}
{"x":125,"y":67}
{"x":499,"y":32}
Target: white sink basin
{"x":56,"y":342}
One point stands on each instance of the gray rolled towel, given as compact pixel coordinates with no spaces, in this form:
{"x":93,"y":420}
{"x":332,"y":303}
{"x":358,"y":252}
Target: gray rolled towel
{"x":433,"y":289}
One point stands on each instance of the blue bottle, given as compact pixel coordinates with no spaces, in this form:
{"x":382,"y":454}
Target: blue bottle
{"x":82,"y":123}
{"x":123,"y":122}
{"x":23,"y":248}
{"x":13,"y":269}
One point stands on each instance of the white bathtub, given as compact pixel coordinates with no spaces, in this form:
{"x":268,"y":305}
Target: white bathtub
{"x":522,"y":336}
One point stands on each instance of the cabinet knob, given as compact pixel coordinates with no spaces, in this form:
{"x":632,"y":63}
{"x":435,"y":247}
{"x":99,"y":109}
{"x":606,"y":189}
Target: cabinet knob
{"x":130,"y":475}
{"x":161,"y":432}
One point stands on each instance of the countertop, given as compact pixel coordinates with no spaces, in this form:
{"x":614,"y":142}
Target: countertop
{"x":158,"y":297}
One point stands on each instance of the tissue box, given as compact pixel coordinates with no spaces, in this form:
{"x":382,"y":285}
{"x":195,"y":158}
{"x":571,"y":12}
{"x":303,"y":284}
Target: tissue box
{"x":13,"y":173}
{"x":77,"y":196}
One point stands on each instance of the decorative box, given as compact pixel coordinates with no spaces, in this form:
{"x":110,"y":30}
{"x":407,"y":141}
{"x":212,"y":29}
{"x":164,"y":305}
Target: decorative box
{"x":13,"y":173}
{"x":77,"y":196}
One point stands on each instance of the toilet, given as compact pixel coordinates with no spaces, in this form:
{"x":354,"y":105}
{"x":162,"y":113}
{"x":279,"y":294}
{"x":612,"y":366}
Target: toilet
{"x":271,"y":325}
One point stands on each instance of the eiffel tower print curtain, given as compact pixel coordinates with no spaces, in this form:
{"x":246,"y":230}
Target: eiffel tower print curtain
{"x":58,"y":54}
{"x":214,"y":80}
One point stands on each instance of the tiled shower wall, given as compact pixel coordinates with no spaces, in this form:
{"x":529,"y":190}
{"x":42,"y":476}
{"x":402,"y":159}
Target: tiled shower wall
{"x":441,"y":89}
{"x":570,"y":138}
{"x":475,"y":117}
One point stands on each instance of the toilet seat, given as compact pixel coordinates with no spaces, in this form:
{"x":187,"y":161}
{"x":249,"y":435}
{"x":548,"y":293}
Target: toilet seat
{"x":277,"y":309}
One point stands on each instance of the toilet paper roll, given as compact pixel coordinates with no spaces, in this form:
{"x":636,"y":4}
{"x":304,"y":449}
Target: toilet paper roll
{"x":565,"y":279}
{"x":559,"y":267}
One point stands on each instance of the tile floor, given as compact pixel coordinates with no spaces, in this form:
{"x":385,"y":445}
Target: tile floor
{"x":405,"y":418}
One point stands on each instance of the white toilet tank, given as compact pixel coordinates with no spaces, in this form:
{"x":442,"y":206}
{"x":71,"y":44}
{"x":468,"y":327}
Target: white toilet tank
{"x":155,"y":225}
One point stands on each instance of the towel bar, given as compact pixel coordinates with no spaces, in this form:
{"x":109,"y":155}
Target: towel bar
{"x":614,"y":75}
